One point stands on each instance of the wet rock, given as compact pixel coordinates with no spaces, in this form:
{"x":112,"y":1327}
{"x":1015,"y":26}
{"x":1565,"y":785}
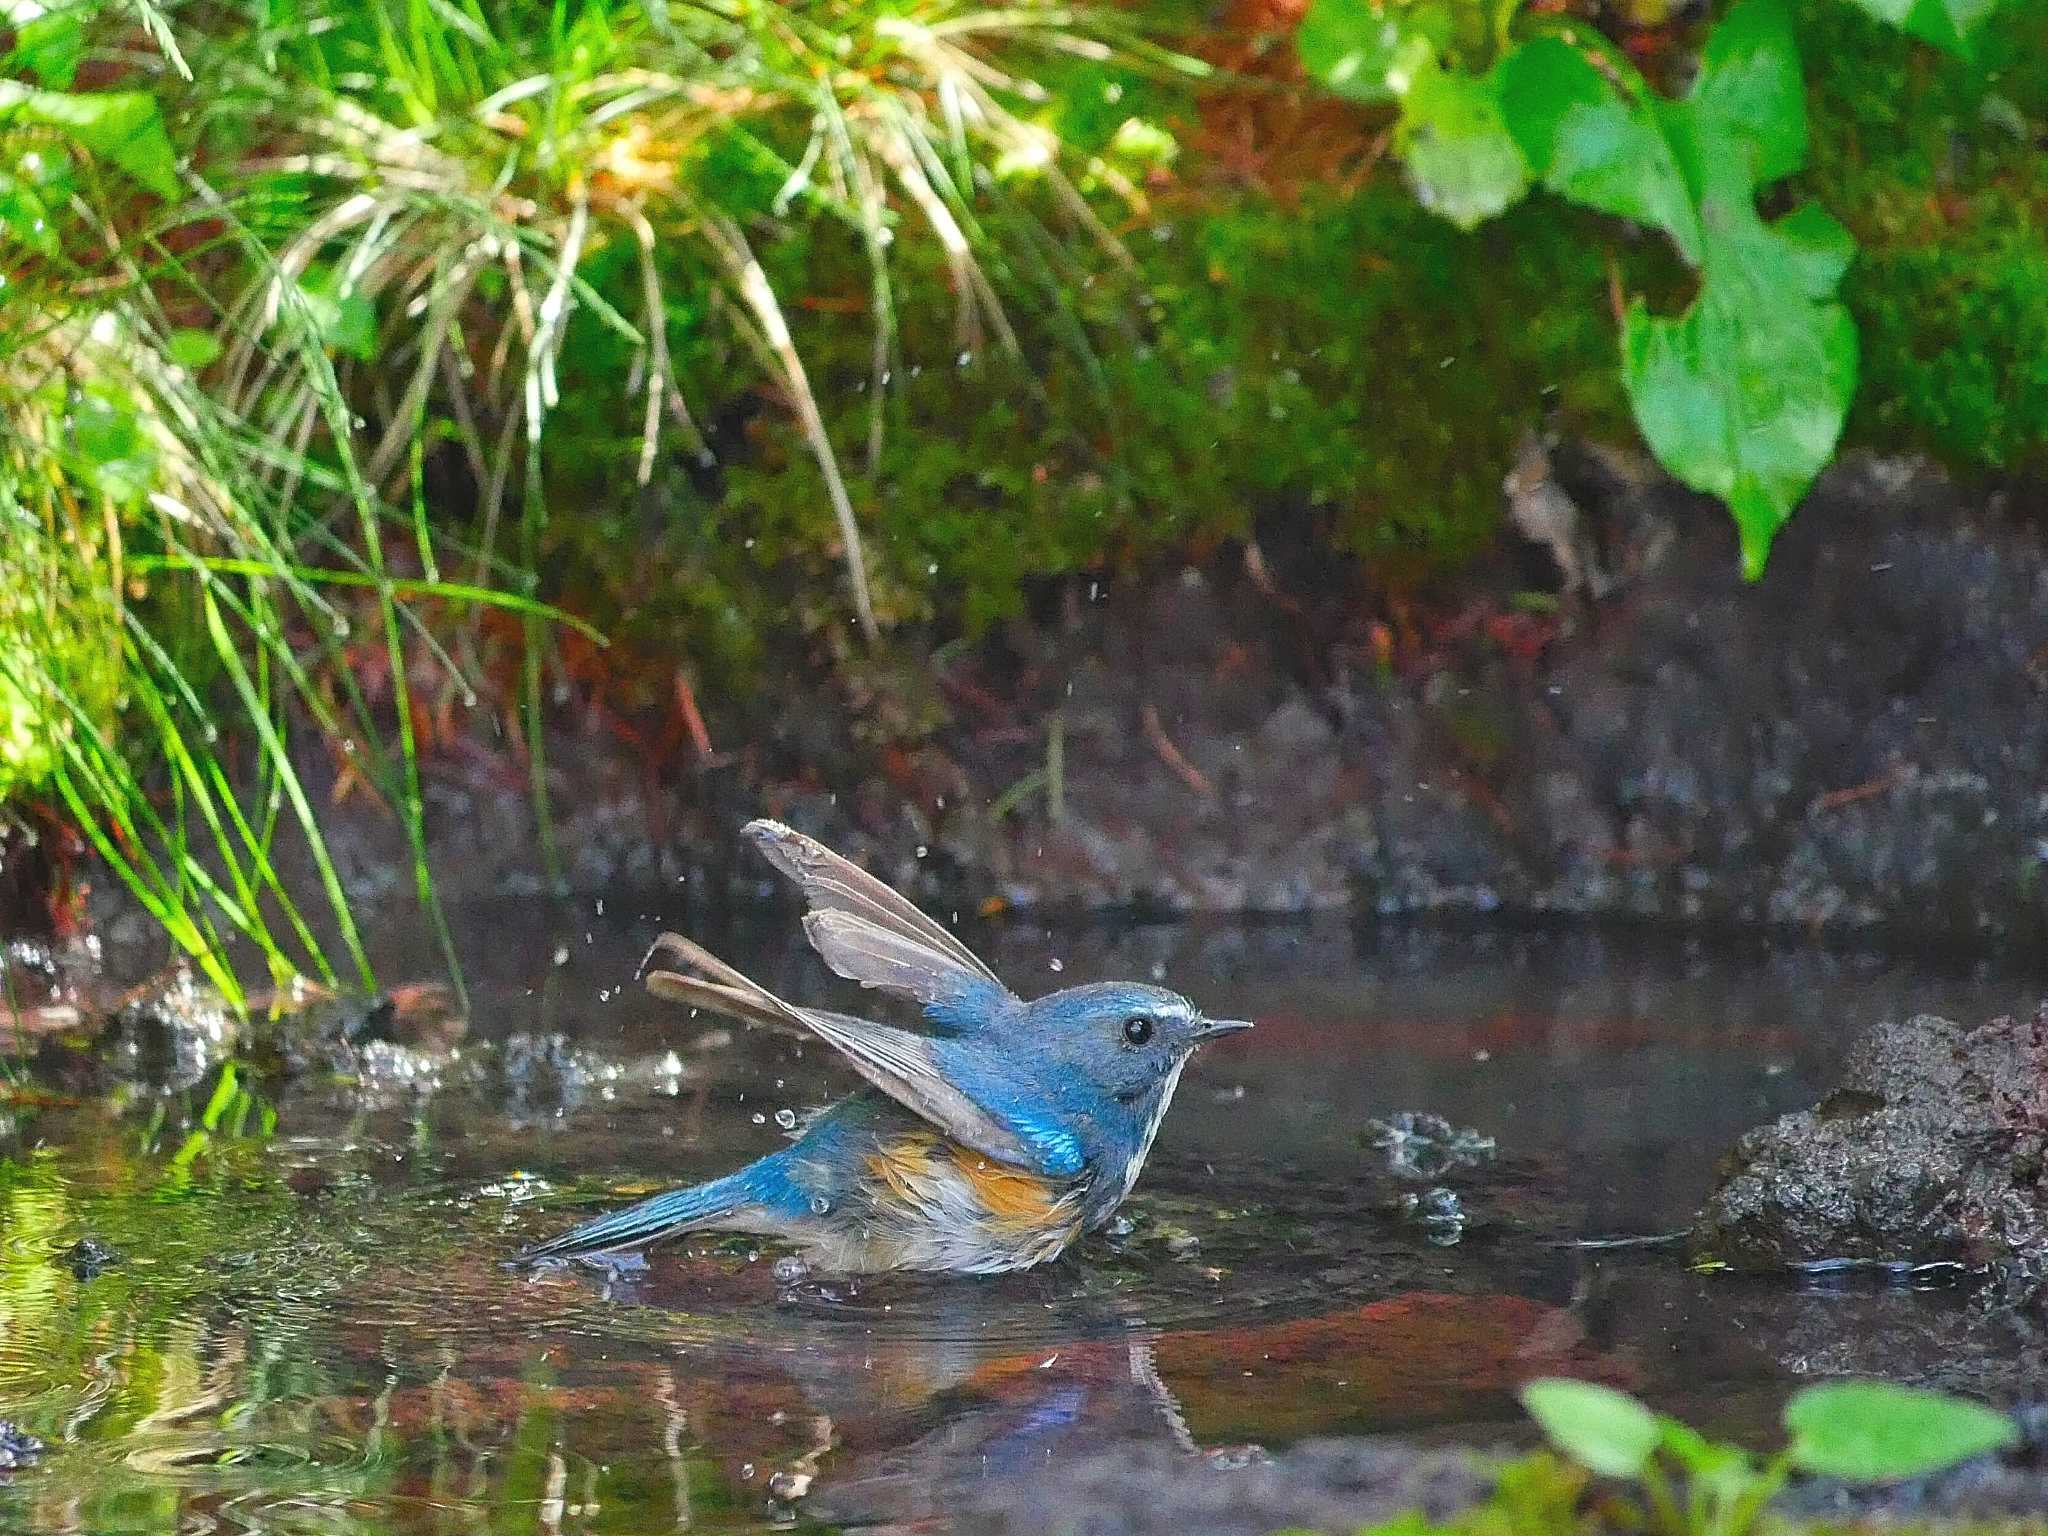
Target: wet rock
{"x":1322,"y":1485}
{"x":169,"y":1032}
{"x":1931,"y":1149}
{"x":393,"y":1039}
{"x":89,"y":1257}
{"x":543,"y":1077}
{"x":331,"y":1031}
{"x":17,"y":1449}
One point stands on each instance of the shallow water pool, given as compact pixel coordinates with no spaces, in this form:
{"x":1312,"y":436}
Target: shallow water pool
{"x":303,"y":1319}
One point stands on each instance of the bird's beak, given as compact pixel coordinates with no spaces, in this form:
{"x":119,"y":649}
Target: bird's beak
{"x":1214,"y":1029}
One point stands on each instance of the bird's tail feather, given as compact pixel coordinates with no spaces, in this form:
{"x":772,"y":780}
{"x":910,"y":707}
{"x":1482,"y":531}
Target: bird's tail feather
{"x":680,"y":1210}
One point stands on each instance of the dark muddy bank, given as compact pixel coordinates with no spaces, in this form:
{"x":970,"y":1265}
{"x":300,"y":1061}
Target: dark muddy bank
{"x":1852,"y":744}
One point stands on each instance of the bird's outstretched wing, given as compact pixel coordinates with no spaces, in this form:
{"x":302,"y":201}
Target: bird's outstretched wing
{"x":902,"y":1064}
{"x":871,"y":934}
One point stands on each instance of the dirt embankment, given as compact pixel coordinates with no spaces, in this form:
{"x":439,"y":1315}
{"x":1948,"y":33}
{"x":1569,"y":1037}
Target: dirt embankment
{"x":1852,"y":744}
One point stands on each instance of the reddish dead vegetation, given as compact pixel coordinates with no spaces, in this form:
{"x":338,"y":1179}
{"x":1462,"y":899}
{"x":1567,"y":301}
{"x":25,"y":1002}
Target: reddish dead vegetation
{"x":44,"y":877}
{"x":1275,"y":132}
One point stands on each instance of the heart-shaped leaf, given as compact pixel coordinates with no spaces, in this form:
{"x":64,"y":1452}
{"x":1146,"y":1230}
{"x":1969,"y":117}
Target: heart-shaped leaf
{"x":1592,"y":144}
{"x":1744,"y":395}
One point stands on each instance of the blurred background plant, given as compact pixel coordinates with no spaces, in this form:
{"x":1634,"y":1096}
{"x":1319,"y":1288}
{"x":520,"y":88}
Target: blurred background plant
{"x":347,"y":350}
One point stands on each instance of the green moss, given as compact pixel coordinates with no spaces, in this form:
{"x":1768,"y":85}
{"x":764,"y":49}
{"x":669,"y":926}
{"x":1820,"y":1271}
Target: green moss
{"x":1342,"y":366}
{"x":1349,"y":365}
{"x":1933,"y":163}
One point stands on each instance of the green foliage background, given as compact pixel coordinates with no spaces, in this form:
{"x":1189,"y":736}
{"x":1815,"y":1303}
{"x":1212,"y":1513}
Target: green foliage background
{"x":434,"y":311}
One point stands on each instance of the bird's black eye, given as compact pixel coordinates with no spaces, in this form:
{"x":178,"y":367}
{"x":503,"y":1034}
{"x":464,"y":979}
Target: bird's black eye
{"x":1137,"y":1029}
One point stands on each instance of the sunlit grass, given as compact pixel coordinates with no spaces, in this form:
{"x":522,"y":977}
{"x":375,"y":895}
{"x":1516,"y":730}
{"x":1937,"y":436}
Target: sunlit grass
{"x":327,"y":237}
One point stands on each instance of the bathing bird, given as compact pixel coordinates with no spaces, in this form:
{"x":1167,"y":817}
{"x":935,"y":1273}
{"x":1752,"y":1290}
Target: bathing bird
{"x":989,"y":1140}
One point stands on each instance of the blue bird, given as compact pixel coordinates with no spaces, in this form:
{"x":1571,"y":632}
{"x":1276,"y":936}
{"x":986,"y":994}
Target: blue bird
{"x":989,"y":1143}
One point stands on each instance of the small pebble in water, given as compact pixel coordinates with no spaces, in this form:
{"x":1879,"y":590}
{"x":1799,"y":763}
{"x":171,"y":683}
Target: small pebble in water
{"x":89,"y":1257}
{"x":17,"y":1449}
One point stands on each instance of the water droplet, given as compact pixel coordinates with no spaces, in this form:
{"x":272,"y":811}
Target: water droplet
{"x":759,"y":1118}
{"x":561,"y":954}
{"x":786,"y":1118}
{"x":820,"y":1206}
{"x":791,"y":1270}
{"x":1058,"y":965}
{"x":965,"y":358}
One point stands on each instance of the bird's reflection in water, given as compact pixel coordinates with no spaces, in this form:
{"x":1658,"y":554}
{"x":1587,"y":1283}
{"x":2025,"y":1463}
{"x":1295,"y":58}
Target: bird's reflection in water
{"x":897,"y":1402}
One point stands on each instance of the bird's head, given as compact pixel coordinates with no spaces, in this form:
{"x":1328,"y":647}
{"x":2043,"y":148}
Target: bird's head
{"x":1122,"y":1039}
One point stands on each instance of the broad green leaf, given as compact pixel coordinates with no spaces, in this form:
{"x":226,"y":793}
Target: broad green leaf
{"x":1950,"y":24}
{"x":122,"y":127}
{"x":1462,"y":160}
{"x":1602,"y":1429}
{"x":1817,"y":249}
{"x":347,"y":323}
{"x":191,"y":349}
{"x":1591,"y":143}
{"x":1367,"y":52}
{"x":1871,"y":1431}
{"x":1743,"y":396}
{"x":47,"y":43}
{"x":1748,"y":94}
